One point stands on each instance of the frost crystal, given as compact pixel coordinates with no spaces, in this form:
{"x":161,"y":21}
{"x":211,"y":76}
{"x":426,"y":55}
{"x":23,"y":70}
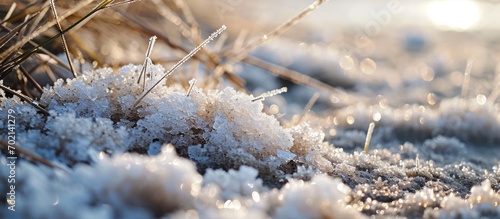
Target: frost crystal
{"x":322,"y":197}
{"x":215,"y":154}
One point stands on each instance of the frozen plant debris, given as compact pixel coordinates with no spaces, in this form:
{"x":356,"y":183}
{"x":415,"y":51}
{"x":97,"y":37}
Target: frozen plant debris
{"x":192,"y":82}
{"x":179,"y":63}
{"x":270,"y":94}
{"x":147,"y":62}
{"x":369,"y":136}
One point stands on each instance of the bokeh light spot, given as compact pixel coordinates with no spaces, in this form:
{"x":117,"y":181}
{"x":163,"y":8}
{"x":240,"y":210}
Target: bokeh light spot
{"x":456,"y":15}
{"x":368,"y":66}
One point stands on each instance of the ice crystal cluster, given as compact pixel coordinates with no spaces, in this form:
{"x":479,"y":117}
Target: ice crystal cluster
{"x":215,"y":154}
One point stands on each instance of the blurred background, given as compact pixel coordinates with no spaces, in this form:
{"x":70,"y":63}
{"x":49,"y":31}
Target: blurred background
{"x":398,"y":51}
{"x":404,"y":51}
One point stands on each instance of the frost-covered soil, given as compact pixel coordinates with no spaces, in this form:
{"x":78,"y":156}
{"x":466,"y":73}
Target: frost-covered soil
{"x":215,"y":154}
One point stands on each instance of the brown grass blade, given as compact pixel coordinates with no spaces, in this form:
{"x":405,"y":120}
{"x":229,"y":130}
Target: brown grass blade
{"x":29,"y":155}
{"x":241,"y":54}
{"x":45,"y":28}
{"x":25,"y":98}
{"x":63,"y":38}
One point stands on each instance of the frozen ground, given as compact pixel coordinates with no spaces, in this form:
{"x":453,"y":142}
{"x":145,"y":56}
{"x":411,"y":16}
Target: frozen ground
{"x":215,"y":154}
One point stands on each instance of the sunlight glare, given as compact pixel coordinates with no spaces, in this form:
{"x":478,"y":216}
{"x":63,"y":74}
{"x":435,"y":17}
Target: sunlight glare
{"x":457,"y":15}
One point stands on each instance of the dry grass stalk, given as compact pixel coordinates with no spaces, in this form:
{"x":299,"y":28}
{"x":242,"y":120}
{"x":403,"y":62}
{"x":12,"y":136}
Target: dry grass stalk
{"x":29,"y":155}
{"x":25,"y":98}
{"x":369,"y":136}
{"x":45,"y":27}
{"x":292,"y":76}
{"x":270,"y":94}
{"x":192,"y":82}
{"x":242,"y":53}
{"x":182,"y":61}
{"x":466,"y":80}
{"x":308,"y":107}
{"x":63,"y":38}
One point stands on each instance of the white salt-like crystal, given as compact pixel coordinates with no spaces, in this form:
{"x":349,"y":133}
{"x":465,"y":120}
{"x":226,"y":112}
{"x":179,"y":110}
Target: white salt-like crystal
{"x":321,"y":197}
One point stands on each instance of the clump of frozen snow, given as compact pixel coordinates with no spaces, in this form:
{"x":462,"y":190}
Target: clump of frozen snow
{"x":139,"y":186}
{"x":159,"y":184}
{"x":444,"y":150}
{"x":310,"y":148}
{"x":466,"y":120}
{"x":217,"y":129}
{"x":126,"y":186}
{"x":238,"y":133}
{"x":483,"y":202}
{"x":235,"y":183}
{"x":234,"y":161}
{"x":322,"y":197}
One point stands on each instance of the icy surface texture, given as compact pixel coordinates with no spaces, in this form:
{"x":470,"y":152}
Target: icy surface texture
{"x":139,"y":186}
{"x":218,"y":129}
{"x":322,"y":197}
{"x":227,"y":159}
